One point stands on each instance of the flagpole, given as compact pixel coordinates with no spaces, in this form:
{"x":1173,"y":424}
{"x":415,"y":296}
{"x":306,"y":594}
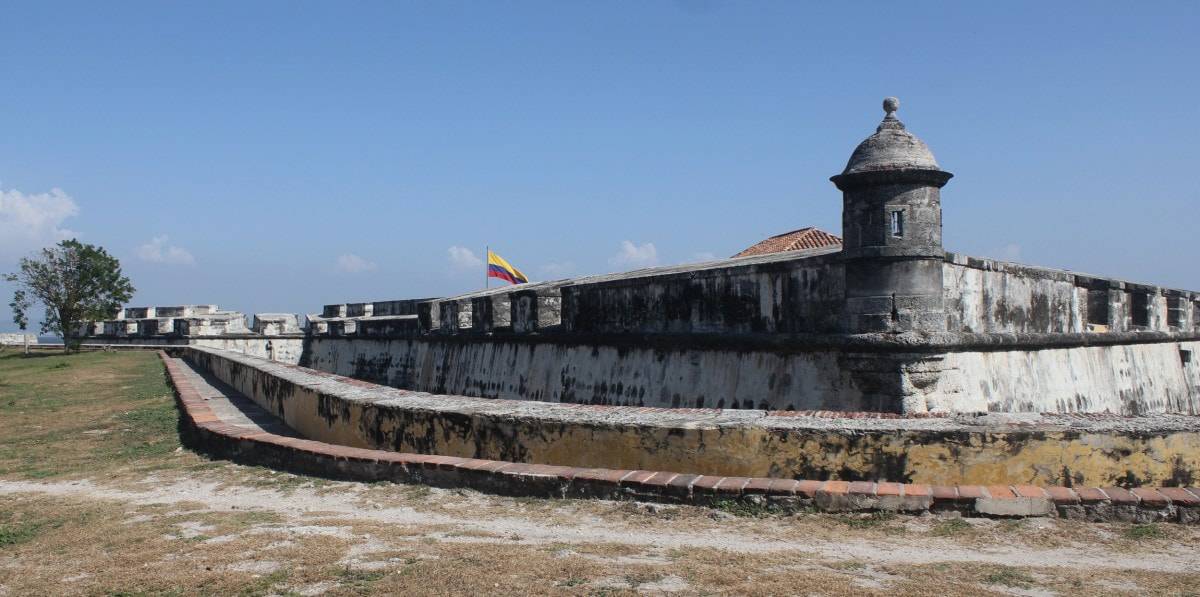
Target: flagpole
{"x":487,"y":280}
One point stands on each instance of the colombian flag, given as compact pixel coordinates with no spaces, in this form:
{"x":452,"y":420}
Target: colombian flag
{"x":499,"y":268}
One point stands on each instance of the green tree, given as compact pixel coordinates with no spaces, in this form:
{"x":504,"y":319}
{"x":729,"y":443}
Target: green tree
{"x":76,"y":282}
{"x":20,"y":309}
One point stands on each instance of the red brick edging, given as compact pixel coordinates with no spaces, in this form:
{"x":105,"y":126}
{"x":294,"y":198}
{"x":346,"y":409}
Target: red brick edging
{"x":209,"y":432}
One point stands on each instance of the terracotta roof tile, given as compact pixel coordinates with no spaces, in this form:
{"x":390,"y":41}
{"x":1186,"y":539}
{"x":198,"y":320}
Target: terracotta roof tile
{"x":804,"y":238}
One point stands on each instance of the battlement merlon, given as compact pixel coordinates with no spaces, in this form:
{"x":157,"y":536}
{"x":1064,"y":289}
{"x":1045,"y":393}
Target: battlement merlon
{"x":188,"y":321}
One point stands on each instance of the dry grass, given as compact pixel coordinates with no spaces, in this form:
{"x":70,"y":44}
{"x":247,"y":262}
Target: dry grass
{"x":165,"y":521}
{"x":81,"y":547}
{"x":106,"y":549}
{"x":998,"y":579}
{"x":84,"y":414}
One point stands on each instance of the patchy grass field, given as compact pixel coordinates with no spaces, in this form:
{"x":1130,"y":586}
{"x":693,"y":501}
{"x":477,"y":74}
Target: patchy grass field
{"x":88,"y":414}
{"x":97,"y":497}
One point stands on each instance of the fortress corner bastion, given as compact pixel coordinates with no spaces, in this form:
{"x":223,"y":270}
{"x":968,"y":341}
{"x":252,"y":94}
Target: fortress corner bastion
{"x":887,"y":321}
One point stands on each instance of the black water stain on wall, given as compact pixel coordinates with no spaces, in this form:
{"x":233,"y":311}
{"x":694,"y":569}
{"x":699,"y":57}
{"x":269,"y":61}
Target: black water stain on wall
{"x":1181,"y":474}
{"x":332,"y":409}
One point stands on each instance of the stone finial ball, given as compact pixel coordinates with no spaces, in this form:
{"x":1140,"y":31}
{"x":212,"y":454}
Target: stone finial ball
{"x":890,"y":104}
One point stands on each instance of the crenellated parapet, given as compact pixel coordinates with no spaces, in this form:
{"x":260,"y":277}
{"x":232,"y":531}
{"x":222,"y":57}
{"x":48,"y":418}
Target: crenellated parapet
{"x":276,"y":324}
{"x":188,"y":321}
{"x":792,"y":292}
{"x":991,"y":296}
{"x":380,"y":318}
{"x":783,"y":295}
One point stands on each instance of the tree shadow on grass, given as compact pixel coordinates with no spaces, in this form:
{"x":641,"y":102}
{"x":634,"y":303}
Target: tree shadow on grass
{"x":39,"y":354}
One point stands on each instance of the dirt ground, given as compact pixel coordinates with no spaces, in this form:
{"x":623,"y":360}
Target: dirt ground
{"x":97,"y":497}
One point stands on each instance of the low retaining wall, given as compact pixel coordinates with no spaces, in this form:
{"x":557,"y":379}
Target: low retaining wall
{"x":204,"y":428}
{"x":1005,"y":449}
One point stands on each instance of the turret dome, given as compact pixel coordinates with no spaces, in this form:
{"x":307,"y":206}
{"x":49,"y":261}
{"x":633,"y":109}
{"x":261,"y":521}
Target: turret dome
{"x":891,"y":147}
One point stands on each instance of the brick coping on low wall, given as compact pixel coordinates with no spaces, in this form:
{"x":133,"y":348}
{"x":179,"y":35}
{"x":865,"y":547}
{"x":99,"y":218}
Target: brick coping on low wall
{"x":208,"y":431}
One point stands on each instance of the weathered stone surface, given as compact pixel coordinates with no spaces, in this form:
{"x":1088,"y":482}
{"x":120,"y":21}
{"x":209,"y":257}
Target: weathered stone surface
{"x":7,"y":339}
{"x":892,"y":233}
{"x":1016,"y":506}
{"x":275,"y":324}
{"x":891,"y":147}
{"x":1005,"y":448}
{"x":1128,"y":379}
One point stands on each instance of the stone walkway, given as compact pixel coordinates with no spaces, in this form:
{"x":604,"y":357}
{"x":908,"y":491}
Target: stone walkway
{"x":229,"y":405}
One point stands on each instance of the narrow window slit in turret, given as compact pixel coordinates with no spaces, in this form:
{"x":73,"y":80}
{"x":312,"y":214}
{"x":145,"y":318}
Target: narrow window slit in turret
{"x":898,"y":223}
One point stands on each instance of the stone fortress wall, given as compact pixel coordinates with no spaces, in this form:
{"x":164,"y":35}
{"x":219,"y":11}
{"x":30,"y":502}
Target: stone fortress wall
{"x":762,"y":332}
{"x":17,"y":339}
{"x":275,"y":336}
{"x":889,"y":322}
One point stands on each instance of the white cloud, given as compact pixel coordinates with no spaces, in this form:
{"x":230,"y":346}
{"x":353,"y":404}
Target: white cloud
{"x":464,"y":258}
{"x":353,"y":264}
{"x":635,"y":256}
{"x":30,"y":222}
{"x":559,"y":269}
{"x":158,"y":251}
{"x":703,"y":256}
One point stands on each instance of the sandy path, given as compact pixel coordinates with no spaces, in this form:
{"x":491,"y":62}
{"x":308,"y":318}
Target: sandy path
{"x":302,"y":506}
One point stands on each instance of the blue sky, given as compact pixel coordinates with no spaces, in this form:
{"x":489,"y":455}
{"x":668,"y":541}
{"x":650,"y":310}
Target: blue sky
{"x":276,"y":156}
